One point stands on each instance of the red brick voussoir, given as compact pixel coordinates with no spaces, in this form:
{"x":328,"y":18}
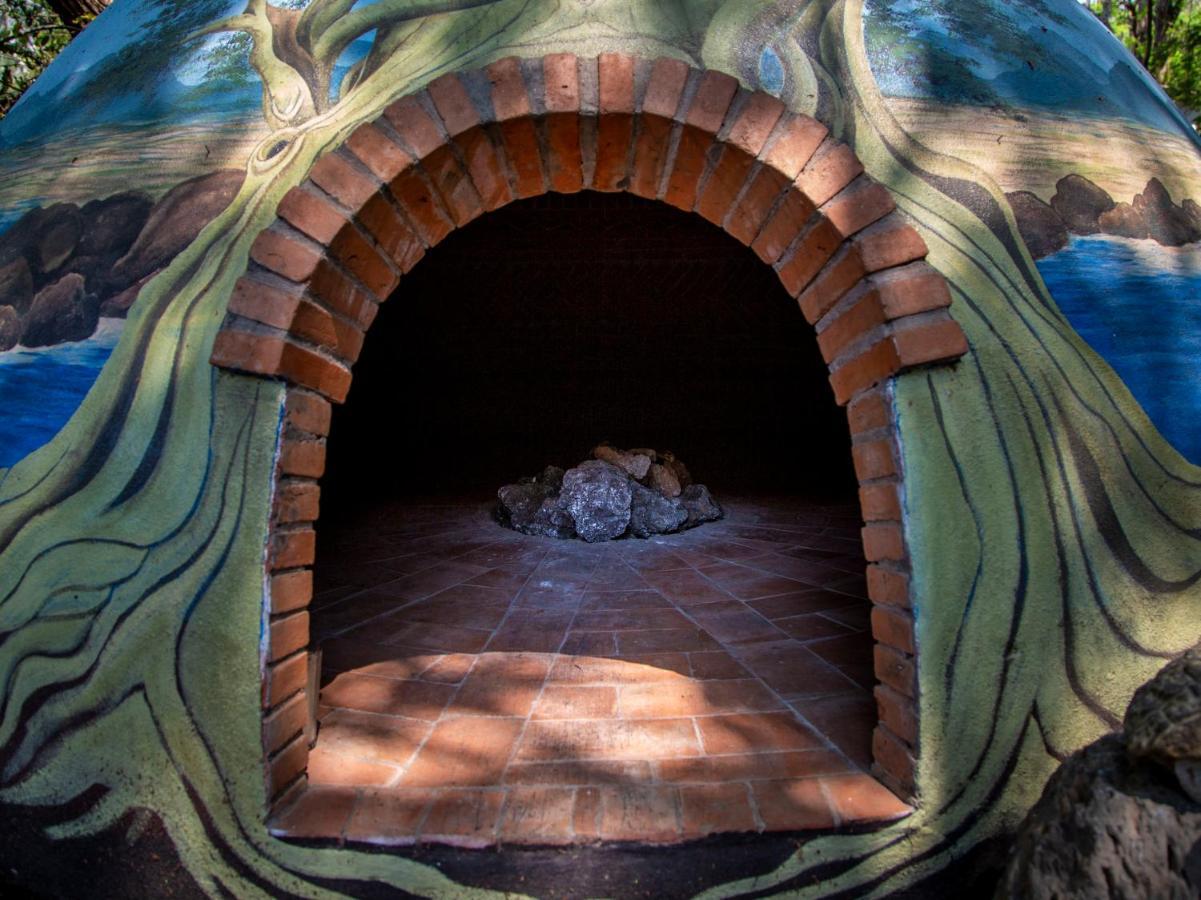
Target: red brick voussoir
{"x":470,"y":142}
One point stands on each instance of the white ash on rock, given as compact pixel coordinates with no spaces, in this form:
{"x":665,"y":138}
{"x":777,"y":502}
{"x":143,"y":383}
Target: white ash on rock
{"x":638,"y":492}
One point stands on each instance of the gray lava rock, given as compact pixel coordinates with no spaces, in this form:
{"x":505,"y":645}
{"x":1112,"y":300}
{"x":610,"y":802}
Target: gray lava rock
{"x":1167,"y":223}
{"x":61,"y":312}
{"x":652,"y":513}
{"x":174,"y":222}
{"x":700,"y":505}
{"x":1039,"y":224}
{"x":10,"y":328}
{"x":598,"y":497}
{"x":16,"y":285}
{"x":520,"y":503}
{"x":1080,"y":203}
{"x":1107,"y":826}
{"x":1124,"y":220}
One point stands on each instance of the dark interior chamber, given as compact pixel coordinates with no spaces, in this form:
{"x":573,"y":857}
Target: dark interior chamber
{"x":555,"y":323}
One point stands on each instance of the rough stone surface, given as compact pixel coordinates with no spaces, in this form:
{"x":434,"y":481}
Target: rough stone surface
{"x":1163,"y":720}
{"x":700,"y":505}
{"x":1108,"y":826}
{"x":10,"y":328}
{"x":597,"y":494}
{"x":1124,"y":220}
{"x":61,"y":312}
{"x":1039,"y":224}
{"x":16,"y":285}
{"x":677,"y":466}
{"x":174,"y":222}
{"x":1080,"y":203}
{"x":652,"y":513}
{"x":603,"y":499}
{"x":1167,"y":223}
{"x":113,"y":224}
{"x":58,"y":235}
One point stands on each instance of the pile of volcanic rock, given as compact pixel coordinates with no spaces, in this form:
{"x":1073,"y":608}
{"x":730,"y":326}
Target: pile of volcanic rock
{"x":616,"y":493}
{"x":64,"y":266}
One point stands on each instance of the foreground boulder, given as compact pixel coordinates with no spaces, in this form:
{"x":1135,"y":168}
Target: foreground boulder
{"x":10,"y":328}
{"x":1124,"y":220}
{"x":1122,"y":817}
{"x":61,"y":312}
{"x":606,"y":498}
{"x":16,"y":285}
{"x":1039,"y":224}
{"x":1167,"y":223}
{"x":1080,"y":203}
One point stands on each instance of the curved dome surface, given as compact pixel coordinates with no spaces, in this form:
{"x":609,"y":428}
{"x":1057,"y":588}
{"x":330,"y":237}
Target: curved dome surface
{"x":991,"y":218}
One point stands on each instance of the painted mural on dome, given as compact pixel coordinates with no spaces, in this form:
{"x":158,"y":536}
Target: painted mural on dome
{"x":1052,"y":525}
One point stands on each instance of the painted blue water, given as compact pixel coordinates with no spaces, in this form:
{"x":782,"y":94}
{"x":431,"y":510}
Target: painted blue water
{"x":1139,"y":305}
{"x":41,"y":388}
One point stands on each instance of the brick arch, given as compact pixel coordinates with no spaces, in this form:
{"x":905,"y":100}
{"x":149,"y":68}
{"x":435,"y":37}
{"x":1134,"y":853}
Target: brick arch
{"x":471,"y":142}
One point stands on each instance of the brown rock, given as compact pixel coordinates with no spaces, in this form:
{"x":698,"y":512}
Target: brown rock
{"x":1192,"y":210}
{"x":113,"y":224}
{"x":117,"y":307}
{"x":664,"y":480}
{"x":633,"y":464}
{"x":677,"y":467}
{"x":1124,"y":221}
{"x":1039,"y":224}
{"x":1080,"y":203}
{"x":10,"y":328}
{"x":16,"y":285}
{"x":175,"y":221}
{"x":1167,"y":223}
{"x":60,"y":312}
{"x":57,"y":237}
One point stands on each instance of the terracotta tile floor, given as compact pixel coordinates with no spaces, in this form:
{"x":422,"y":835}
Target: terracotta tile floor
{"x":482,"y":687}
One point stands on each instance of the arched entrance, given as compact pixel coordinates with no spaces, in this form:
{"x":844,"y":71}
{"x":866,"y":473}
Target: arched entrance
{"x":473,"y":142}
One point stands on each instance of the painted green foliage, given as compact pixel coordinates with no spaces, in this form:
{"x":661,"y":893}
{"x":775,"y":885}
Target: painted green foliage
{"x":1056,"y":539}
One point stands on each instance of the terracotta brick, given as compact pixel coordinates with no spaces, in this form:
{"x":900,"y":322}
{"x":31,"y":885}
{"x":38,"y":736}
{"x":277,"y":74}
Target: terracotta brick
{"x":839,"y":277}
{"x":464,"y":751}
{"x":312,"y":213}
{"x":896,"y":670}
{"x":724,"y":184}
{"x":744,"y":732}
{"x":569,"y":701}
{"x":422,"y":209}
{"x":348,"y":339}
{"x":510,"y":99}
{"x":329,"y":768}
{"x":893,"y":627}
{"x":363,"y":260}
{"x":894,"y":757}
{"x":910,"y":289}
{"x":755,"y":122}
{"x":880,"y":502}
{"x":378,"y":152}
{"x":288,"y":635}
{"x":262,"y":302}
{"x":858,"y":205}
{"x":793,"y":805}
{"x":264,"y":355}
{"x":561,"y":82}
{"x":937,"y":340}
{"x":796,"y":140}
{"x":453,"y":104}
{"x":746,"y":219}
{"x":874,"y":459}
{"x":565,"y":161}
{"x":313,"y":324}
{"x":284,"y":723}
{"x":887,"y":586}
{"x":639,"y":812}
{"x":883,"y":541}
{"x":307,"y":412}
{"x":414,"y":126}
{"x":386,"y":817}
{"x":715,"y":808}
{"x":383,"y":221}
{"x":284,"y":679}
{"x":712,"y":99}
{"x":291,"y":591}
{"x":293,"y":548}
{"x":869,"y":412}
{"x":818,"y":244}
{"x":536,"y":815}
{"x":868,"y":368}
{"x":650,"y":156}
{"x":616,"y":74}
{"x":687,"y":168}
{"x":890,"y":242}
{"x":898,"y":713}
{"x":616,"y":125}
{"x":485,"y":168}
{"x":856,"y":321}
{"x":782,"y":228}
{"x":832,"y":168}
{"x":284,"y":255}
{"x":343,"y":181}
{"x":520,"y":140}
{"x":665,"y":88}
{"x":585,"y":819}
{"x":454,"y":186}
{"x":297,"y":501}
{"x":337,"y":291}
{"x":857,"y":797}
{"x":288,"y":765}
{"x":464,"y":818}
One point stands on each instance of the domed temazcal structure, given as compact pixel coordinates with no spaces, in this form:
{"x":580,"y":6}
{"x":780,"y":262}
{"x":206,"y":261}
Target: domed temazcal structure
{"x":203,"y":207}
